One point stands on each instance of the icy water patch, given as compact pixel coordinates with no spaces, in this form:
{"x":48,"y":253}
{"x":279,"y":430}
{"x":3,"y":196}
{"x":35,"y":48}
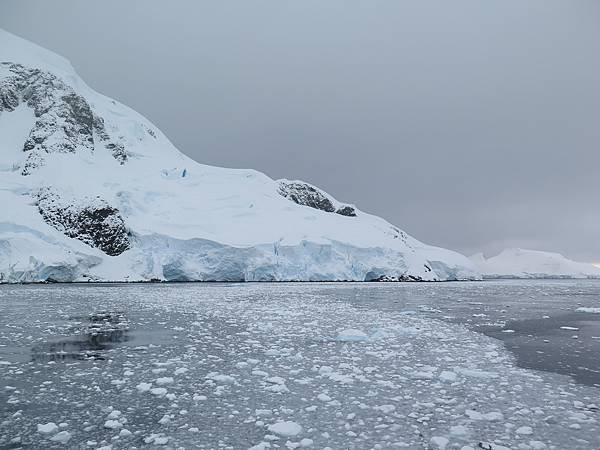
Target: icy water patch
{"x":269,"y":366}
{"x":87,"y":338}
{"x":549,"y":325}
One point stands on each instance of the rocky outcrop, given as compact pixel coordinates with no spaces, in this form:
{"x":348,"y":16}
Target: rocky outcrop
{"x":65,"y":122}
{"x":348,"y":211}
{"x":395,"y":279}
{"x":90,"y":220}
{"x":307,"y":195}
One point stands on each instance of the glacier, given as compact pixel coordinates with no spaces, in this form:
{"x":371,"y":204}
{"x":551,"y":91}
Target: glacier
{"x":523,"y":263}
{"x":93,"y":191}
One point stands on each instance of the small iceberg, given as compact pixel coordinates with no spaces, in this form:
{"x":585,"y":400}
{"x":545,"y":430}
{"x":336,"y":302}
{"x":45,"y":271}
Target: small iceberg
{"x":352,"y":335}
{"x":588,"y":310}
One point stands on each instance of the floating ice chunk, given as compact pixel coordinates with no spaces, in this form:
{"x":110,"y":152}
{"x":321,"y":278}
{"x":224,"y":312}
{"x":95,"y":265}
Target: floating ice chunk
{"x":380,"y":334}
{"x":386,"y":409}
{"x":473,"y":415}
{"x":272,"y":352}
{"x":352,"y":335}
{"x":569,"y":328}
{"x":493,"y":416}
{"x":157,"y":439}
{"x":275,"y":380}
{"x":220,"y":378}
{"x":144,"y":387}
{"x":279,"y":388}
{"x":260,"y":446}
{"x":325,"y":369}
{"x":324,"y":397}
{"x":584,"y":309}
{"x":62,"y":437}
{"x":421,"y":375}
{"x":164,"y":380}
{"x":115,"y":414}
{"x":439,"y":442}
{"x":447,"y":375}
{"x":47,"y":428}
{"x":158,"y":391}
{"x":199,"y":398}
{"x":180,"y":371}
{"x":112,"y":424}
{"x":286,"y":428}
{"x":306,"y":442}
{"x":491,"y":446}
{"x":125,"y":433}
{"x":476,"y":373}
{"x":458,"y":430}
{"x":163,"y":364}
{"x":340,"y":378}
{"x":161,"y":440}
{"x":537,"y":445}
{"x":524,"y":430}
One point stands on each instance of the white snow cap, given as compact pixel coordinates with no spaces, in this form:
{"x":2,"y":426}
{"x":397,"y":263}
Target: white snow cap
{"x":521,"y":263}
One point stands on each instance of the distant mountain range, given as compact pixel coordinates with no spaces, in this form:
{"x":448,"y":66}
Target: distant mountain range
{"x":520,"y":263}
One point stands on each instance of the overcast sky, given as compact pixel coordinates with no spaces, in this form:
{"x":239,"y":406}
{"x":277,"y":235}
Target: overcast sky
{"x":473,"y":125}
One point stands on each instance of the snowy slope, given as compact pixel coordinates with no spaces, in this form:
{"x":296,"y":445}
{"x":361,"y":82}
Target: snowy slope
{"x":519,"y":263}
{"x":91,"y":190}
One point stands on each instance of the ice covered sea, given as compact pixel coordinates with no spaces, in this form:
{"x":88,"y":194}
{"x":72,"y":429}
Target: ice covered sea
{"x":340,"y":366}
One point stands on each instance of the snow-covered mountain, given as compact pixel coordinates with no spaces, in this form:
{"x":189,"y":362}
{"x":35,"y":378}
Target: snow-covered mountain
{"x":91,"y":190}
{"x":519,"y":263}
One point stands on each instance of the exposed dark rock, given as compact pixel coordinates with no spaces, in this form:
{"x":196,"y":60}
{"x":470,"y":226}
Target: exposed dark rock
{"x":65,"y":121}
{"x":401,"y":278}
{"x":9,"y":99}
{"x":347,"y":211}
{"x":92,"y":221}
{"x":307,"y":195}
{"x":398,"y":234}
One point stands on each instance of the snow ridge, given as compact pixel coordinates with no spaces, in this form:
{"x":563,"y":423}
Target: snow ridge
{"x":522,"y":263}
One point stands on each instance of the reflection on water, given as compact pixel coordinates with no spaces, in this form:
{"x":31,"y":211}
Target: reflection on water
{"x":92,"y":335}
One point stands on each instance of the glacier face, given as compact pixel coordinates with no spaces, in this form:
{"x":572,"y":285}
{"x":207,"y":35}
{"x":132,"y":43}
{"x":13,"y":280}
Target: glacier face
{"x":522,"y":263}
{"x":93,"y":191}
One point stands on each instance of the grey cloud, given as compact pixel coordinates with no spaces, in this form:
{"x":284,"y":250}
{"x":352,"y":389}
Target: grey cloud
{"x":472,"y":125}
